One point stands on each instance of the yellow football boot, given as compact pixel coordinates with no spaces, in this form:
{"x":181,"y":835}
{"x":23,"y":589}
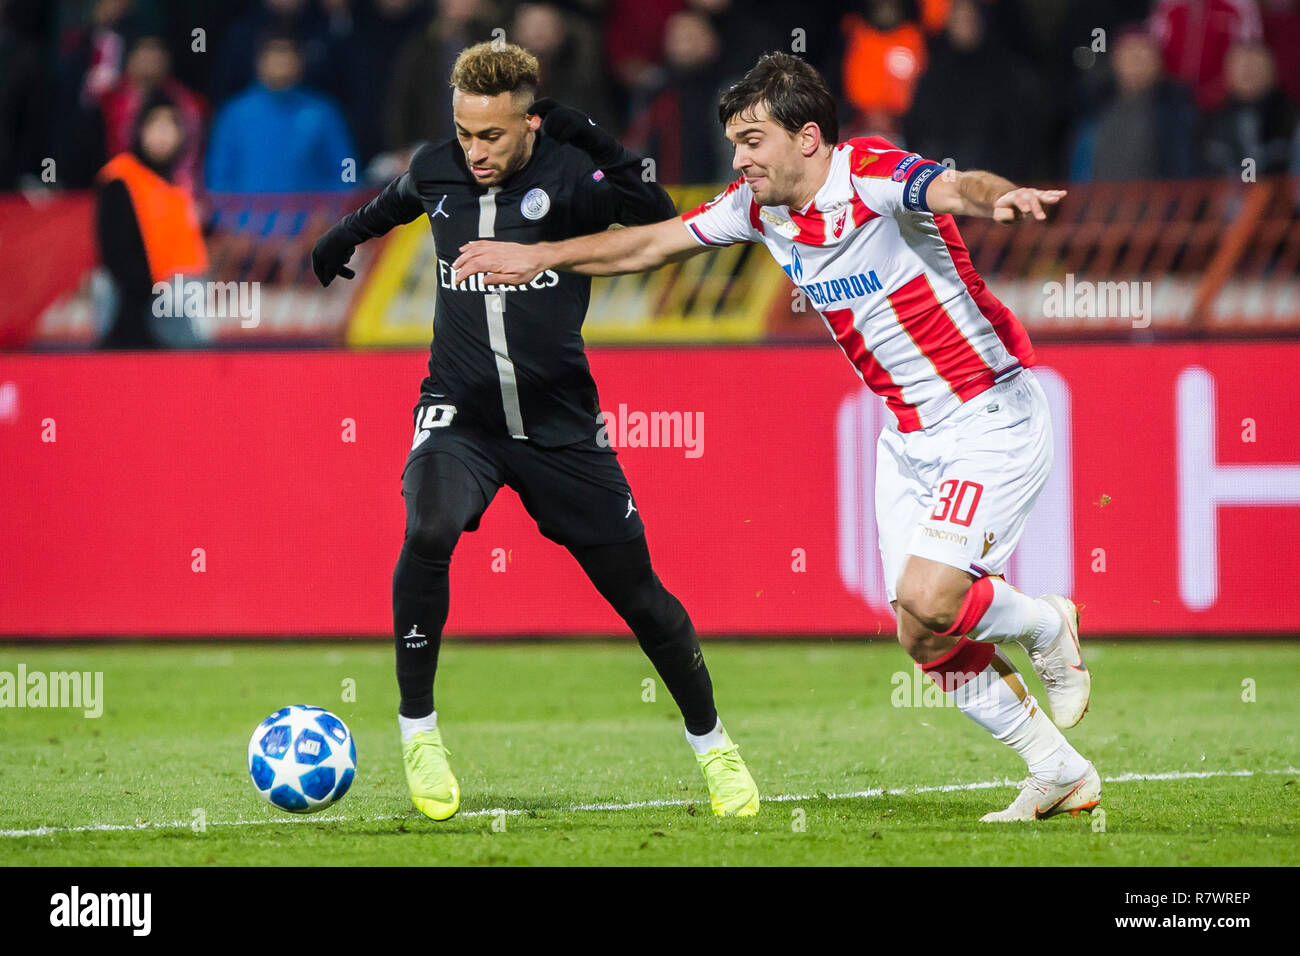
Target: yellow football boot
{"x":434,"y":789}
{"x":732,"y":791}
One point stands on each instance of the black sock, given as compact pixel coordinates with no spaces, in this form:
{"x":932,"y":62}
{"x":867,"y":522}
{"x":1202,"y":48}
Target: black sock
{"x":673,"y":647}
{"x":420,"y":600}
{"x":624,"y":577}
{"x":442,"y":498}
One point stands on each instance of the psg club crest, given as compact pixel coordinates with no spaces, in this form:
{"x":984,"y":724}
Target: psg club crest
{"x":536,"y":204}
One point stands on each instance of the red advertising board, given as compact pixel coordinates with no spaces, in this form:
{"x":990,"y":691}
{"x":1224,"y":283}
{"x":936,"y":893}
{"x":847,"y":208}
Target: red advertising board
{"x":235,"y":494}
{"x":59,"y":226}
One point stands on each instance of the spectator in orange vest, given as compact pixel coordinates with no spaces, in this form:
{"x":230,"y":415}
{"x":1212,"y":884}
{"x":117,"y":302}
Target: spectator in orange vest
{"x":884,"y":56}
{"x":148,"y":68}
{"x":148,"y":232}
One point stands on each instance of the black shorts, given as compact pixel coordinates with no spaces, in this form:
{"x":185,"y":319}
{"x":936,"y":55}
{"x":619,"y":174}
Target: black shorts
{"x":577,"y":493}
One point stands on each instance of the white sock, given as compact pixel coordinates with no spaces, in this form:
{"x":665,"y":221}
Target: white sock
{"x":706,"y":742}
{"x":413,"y":725}
{"x":1008,"y":615}
{"x":988,"y":689}
{"x":1045,"y":749}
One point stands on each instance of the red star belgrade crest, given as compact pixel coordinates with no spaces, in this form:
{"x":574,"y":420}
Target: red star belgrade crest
{"x":837,"y":227}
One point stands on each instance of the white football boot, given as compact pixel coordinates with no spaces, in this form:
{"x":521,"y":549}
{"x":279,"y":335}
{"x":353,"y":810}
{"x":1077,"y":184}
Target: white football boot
{"x":1038,"y":799}
{"x":1060,"y":667}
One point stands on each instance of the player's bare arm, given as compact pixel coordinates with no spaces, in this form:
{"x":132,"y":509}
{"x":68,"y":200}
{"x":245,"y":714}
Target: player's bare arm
{"x":614,"y":252}
{"x":984,"y":194}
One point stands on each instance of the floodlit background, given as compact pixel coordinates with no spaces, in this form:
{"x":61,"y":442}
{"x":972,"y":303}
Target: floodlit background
{"x":243,"y":480}
{"x":232,"y":471}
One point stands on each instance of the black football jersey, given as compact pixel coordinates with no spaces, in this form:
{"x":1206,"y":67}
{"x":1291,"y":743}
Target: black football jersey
{"x":511,"y":358}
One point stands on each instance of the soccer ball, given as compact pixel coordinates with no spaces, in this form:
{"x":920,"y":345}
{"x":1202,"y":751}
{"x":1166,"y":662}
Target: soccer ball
{"x":302,"y":759}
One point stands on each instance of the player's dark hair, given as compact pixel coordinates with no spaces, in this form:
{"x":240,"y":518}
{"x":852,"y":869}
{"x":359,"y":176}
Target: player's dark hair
{"x":791,"y":89}
{"x":492,"y":68}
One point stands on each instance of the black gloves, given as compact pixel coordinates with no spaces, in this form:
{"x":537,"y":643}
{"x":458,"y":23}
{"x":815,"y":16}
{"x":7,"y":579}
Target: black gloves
{"x":330,"y":255}
{"x":567,"y":125}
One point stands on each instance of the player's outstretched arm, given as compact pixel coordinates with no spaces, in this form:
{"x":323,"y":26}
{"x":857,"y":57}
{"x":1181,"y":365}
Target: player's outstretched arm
{"x":602,"y":254}
{"x":399,"y":203}
{"x":977,"y":193}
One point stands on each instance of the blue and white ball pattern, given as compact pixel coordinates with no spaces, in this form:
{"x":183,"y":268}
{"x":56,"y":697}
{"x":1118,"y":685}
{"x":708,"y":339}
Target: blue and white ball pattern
{"x":302,"y":759}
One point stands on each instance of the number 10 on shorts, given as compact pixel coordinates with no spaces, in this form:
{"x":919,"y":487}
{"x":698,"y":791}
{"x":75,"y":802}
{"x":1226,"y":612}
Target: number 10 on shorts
{"x":957,"y":501}
{"x":437,"y":416}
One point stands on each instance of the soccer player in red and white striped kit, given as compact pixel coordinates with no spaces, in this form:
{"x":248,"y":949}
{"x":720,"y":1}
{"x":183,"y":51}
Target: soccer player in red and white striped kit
{"x":865,"y":230}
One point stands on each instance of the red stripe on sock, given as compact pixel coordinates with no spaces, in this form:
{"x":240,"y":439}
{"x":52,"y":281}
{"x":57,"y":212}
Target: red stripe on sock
{"x":960,"y":664}
{"x":978,"y":598}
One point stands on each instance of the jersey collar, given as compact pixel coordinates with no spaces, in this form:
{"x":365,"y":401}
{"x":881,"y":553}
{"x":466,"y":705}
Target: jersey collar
{"x":834,"y":209}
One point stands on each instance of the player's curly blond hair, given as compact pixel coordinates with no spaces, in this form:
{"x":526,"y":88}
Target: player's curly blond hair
{"x":491,"y":68}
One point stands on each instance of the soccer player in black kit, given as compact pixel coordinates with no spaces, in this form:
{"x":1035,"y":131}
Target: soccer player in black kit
{"x":509,"y":399}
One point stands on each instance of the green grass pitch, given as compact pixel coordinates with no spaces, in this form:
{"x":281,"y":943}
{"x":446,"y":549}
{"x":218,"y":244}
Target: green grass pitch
{"x":1196,"y":775}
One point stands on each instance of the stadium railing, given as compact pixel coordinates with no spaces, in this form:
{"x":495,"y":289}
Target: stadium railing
{"x":724,"y":297}
{"x":1204,"y":257}
{"x":1116,"y":261}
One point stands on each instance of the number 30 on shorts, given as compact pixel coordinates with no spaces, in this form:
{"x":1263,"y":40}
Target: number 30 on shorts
{"x":957,"y":501}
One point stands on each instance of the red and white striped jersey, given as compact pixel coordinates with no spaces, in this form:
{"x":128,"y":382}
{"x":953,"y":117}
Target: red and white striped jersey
{"x":893,"y":282}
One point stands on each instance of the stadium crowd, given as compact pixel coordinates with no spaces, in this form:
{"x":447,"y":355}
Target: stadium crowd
{"x":1061,"y":90}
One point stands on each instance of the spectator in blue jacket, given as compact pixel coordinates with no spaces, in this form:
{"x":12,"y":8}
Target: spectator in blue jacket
{"x":316,"y":36}
{"x":278,"y":136}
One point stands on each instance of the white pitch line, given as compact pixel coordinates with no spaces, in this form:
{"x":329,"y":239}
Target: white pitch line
{"x":650,"y":804}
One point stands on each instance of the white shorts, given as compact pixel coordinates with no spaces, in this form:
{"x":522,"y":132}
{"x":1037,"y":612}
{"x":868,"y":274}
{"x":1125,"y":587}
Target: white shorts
{"x":961,"y":491}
